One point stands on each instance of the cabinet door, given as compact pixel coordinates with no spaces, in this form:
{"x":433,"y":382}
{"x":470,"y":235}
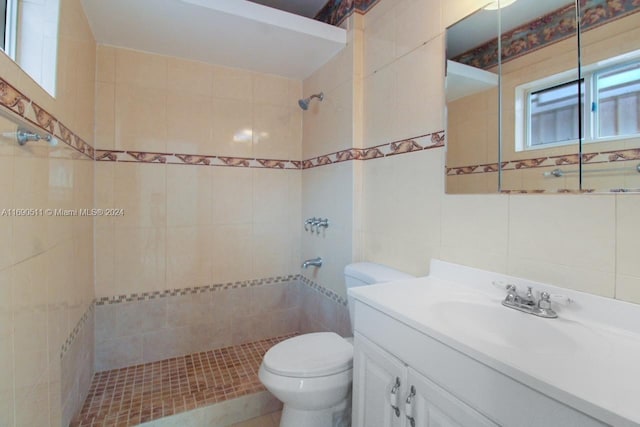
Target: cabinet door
{"x":433,"y":406}
{"x":375,"y":374}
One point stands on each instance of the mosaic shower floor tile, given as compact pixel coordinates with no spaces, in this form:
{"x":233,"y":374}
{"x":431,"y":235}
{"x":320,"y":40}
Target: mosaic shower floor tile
{"x":136,"y":394}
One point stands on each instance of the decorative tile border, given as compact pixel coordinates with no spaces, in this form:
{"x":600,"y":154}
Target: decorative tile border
{"x":332,"y":295}
{"x":548,"y":29}
{"x":335,"y":12}
{"x":604,"y":157}
{"x":144,"y":296}
{"x":543,"y":162}
{"x":192,"y":159}
{"x":11,"y":99}
{"x":424,"y":142}
{"x":76,"y":330}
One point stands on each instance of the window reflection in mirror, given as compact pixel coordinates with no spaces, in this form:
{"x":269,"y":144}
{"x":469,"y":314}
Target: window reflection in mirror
{"x":30,"y":38}
{"x":541,"y":89}
{"x":610,"y":37}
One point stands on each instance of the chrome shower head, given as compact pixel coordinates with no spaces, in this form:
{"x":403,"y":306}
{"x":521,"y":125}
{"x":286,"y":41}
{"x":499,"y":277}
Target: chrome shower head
{"x":304,"y":103}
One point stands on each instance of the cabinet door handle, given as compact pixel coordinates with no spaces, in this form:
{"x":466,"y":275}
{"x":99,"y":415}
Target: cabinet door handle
{"x":393,"y":397}
{"x":408,"y":407}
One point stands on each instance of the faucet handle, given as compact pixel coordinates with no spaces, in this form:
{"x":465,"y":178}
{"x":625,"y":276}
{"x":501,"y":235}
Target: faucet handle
{"x":503,"y":286}
{"x":561,"y":299}
{"x":545,"y":300}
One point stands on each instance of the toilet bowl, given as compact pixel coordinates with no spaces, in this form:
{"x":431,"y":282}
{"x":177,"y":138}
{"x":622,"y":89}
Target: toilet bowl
{"x":311,"y":374}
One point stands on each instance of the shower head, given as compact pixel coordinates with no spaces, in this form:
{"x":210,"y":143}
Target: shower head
{"x":304,"y":103}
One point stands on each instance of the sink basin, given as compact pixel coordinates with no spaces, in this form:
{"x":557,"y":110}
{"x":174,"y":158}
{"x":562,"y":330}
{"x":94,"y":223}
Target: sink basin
{"x":504,"y":327}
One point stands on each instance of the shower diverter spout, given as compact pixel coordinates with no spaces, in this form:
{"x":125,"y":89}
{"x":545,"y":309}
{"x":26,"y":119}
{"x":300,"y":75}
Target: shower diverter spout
{"x":315,"y":262}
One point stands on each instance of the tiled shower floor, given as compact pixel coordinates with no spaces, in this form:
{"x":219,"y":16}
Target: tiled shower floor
{"x":130,"y":396}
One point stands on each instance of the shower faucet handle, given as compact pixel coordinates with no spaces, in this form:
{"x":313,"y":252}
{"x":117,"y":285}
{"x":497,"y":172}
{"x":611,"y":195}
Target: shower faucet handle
{"x":324,"y":223}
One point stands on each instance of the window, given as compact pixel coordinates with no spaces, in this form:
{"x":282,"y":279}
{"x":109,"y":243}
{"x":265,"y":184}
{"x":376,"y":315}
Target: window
{"x":9,"y":14}
{"x":553,"y":114}
{"x":547,"y":111}
{"x":617,"y":101}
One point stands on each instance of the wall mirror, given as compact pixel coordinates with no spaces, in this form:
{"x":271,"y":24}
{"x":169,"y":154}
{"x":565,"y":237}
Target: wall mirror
{"x":610,"y":69}
{"x":472,"y":95}
{"x":530,"y":127}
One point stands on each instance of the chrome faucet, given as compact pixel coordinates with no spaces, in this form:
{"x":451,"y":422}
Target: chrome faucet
{"x":315,"y":262}
{"x":528,"y":303}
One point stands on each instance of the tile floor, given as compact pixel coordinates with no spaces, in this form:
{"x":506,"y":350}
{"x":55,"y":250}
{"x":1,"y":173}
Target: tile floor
{"x":129,"y":396}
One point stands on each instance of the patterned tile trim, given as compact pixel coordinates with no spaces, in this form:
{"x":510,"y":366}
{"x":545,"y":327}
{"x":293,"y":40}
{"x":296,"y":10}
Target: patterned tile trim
{"x":335,"y":12}
{"x":191,"y":159}
{"x":194,"y":290}
{"x":424,"y":142}
{"x":11,"y":99}
{"x":76,"y":331}
{"x":543,"y":162}
{"x":332,"y":295}
{"x":548,"y":29}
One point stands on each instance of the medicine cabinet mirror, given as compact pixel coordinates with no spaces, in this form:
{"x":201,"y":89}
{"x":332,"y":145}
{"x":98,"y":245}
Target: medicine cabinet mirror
{"x":515,"y":122}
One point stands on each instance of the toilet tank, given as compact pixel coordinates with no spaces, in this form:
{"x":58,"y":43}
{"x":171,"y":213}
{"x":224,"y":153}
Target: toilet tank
{"x":369,"y":273}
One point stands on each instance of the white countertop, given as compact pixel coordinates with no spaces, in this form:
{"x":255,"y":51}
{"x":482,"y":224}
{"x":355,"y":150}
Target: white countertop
{"x":577,"y":359}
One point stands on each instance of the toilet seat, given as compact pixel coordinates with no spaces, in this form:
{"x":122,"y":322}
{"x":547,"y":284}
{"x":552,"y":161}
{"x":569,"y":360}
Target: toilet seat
{"x":310,"y":355}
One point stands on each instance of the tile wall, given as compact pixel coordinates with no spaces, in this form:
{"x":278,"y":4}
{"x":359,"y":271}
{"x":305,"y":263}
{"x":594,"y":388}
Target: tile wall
{"x":46,"y":263}
{"x":328,"y":191}
{"x":136,"y":332}
{"x":583,"y":242}
{"x":187,"y":226}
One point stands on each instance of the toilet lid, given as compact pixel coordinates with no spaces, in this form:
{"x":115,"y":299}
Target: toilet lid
{"x":310,"y":355}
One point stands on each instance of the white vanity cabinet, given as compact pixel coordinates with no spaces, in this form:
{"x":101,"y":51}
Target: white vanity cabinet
{"x":388,"y":393}
{"x":450,"y":388}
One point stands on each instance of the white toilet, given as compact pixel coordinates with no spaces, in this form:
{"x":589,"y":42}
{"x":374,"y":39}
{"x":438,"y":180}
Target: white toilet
{"x":311,"y":373}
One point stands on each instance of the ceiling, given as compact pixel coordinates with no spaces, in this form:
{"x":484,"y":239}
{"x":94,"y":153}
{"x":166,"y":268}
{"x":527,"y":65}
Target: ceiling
{"x":308,"y":8}
{"x":482,"y":26}
{"x":233,"y":33}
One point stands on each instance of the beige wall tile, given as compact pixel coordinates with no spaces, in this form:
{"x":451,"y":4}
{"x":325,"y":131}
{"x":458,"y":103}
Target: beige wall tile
{"x":6,"y":348}
{"x":275,"y":134}
{"x":51,"y":281}
{"x":105,"y":64}
{"x":232,"y":195}
{"x":189,"y":257}
{"x":380,"y":99}
{"x":272,"y":250}
{"x":379,"y":41}
{"x":189,"y":78}
{"x":232,"y":133}
{"x":418,"y":21}
{"x":272,"y":196}
{"x":628,"y":288}
{"x":232,"y":83}
{"x":141,"y":69}
{"x":550,"y":239}
{"x":627,"y":234}
{"x":140,"y":118}
{"x":189,"y":124}
{"x":232,"y":253}
{"x":188,"y":195}
{"x":140,"y":259}
{"x":475,"y":231}
{"x":140,"y":189}
{"x":271,"y":90}
{"x":105,"y":116}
